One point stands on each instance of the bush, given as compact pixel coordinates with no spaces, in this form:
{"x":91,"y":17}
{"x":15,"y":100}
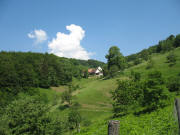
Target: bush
{"x":28,"y":116}
{"x":74,"y":119}
{"x":126,"y":97}
{"x":155,"y":92}
{"x":136,"y":76}
{"x":173,"y":84}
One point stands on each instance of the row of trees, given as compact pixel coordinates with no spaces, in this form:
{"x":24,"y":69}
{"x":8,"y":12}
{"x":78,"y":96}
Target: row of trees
{"x":22,"y":71}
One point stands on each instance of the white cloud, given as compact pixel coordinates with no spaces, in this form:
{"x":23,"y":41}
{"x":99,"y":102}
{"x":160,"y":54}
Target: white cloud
{"x":68,"y":45}
{"x":39,"y":36}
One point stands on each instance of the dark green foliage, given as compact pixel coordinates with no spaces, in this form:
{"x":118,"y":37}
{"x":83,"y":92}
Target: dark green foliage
{"x":21,"y":71}
{"x":136,"y":76}
{"x":113,"y":70}
{"x":177,"y":41}
{"x":137,"y":61}
{"x":28,"y":116}
{"x":95,"y":63}
{"x":89,"y":63}
{"x":144,"y":54}
{"x":173,"y":84}
{"x":116,"y":62}
{"x":85,"y":74}
{"x":132,"y":94}
{"x":74,"y":119}
{"x":171,"y":59}
{"x":115,"y":58}
{"x":155,"y":92}
{"x":127,"y":97}
{"x":131,"y":57}
{"x":105,"y":70}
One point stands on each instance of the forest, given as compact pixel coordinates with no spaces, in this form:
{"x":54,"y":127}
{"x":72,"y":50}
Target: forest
{"x":43,"y":94}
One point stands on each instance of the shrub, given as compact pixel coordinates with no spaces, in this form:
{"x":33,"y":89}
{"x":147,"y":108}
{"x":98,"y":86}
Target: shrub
{"x":155,"y":92}
{"x":136,"y":76}
{"x":28,"y":116}
{"x":74,"y":119}
{"x":173,"y":84}
{"x":126,"y":97}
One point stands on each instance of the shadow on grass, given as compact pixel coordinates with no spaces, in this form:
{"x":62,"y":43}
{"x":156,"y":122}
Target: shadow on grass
{"x":144,"y":111}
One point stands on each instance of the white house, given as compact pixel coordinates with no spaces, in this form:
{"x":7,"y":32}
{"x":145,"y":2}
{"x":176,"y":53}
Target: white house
{"x":99,"y":71}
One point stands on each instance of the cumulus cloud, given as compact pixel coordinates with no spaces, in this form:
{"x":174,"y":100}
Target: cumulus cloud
{"x":68,"y":45}
{"x":39,"y":36}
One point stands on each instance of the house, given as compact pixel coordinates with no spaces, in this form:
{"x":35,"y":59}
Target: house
{"x":98,"y":71}
{"x":92,"y":71}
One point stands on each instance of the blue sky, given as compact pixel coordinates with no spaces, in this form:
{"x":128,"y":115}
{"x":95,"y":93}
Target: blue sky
{"x":132,"y":25}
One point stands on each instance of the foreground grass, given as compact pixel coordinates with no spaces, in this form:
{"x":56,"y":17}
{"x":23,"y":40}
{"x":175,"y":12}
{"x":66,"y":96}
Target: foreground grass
{"x":160,"y":122}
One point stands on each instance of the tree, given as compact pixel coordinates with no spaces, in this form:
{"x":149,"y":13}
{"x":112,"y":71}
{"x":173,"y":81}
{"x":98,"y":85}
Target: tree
{"x":105,"y":70}
{"x":159,"y":47}
{"x":144,"y":54}
{"x":173,"y":84}
{"x":126,"y":97}
{"x":86,"y":74}
{"x":177,"y":41}
{"x":155,"y":91}
{"x":115,"y":58}
{"x":113,"y":70}
{"x":171,"y":37}
{"x":28,"y":116}
{"x":74,"y":119}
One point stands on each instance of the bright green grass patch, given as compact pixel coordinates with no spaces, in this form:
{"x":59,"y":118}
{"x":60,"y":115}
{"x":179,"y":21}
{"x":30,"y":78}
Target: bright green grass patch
{"x":160,"y":64}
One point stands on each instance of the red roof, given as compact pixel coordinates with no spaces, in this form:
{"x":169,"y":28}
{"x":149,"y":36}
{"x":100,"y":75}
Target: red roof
{"x":91,"y":70}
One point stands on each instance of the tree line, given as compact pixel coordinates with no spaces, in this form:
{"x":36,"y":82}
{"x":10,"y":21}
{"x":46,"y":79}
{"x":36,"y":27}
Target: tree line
{"x":163,"y":46}
{"x":21,"y":71}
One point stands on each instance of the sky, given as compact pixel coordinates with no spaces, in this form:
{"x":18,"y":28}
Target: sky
{"x":86,"y":29}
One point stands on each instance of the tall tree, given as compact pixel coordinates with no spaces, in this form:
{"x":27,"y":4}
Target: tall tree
{"x":115,"y":58}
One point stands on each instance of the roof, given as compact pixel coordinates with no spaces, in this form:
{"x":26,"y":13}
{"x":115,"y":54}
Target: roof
{"x":91,"y":70}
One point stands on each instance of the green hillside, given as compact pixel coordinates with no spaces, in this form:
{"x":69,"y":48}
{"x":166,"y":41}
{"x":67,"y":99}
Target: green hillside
{"x":95,"y":101}
{"x":58,"y":105}
{"x":148,"y":124}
